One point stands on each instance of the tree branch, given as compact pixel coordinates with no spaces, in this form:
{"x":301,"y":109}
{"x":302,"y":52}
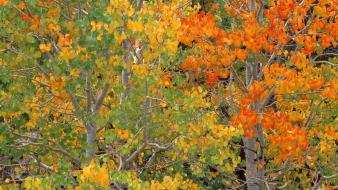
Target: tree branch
{"x":74,"y":160}
{"x":75,"y":102}
{"x":99,"y":100}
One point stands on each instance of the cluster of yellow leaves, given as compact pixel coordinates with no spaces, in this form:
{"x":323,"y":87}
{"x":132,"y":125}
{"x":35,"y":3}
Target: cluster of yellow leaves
{"x":141,"y":70}
{"x":197,"y":99}
{"x":224,"y":133}
{"x":53,"y":27}
{"x":35,"y":184}
{"x":96,"y":26}
{"x":169,"y":183}
{"x":94,"y":174}
{"x":155,"y":28}
{"x":55,"y":84}
{"x":196,"y":135}
{"x":327,"y":147}
{"x":56,"y":105}
{"x":207,"y":134}
{"x":118,"y":5}
{"x":162,"y":30}
{"x":135,"y":26}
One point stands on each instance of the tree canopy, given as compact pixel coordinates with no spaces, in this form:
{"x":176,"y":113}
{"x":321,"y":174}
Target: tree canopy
{"x":168,"y":94}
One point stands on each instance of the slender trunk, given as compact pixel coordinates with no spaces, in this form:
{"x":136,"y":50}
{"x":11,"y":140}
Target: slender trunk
{"x":91,"y":144}
{"x":260,"y":156}
{"x":92,"y":108}
{"x":251,"y":164}
{"x":250,"y":143}
{"x":125,"y":82}
{"x":129,"y":53}
{"x":253,"y":157}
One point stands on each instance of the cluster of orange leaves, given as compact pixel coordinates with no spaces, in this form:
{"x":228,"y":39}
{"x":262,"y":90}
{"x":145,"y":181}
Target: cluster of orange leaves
{"x":27,"y":17}
{"x":215,"y":49}
{"x":247,"y":119}
{"x":3,"y":2}
{"x":65,"y":43}
{"x":286,"y":139}
{"x":320,"y":29}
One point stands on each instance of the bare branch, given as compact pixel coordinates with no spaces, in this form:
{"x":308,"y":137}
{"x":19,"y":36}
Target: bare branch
{"x":325,"y":54}
{"x":134,"y":154}
{"x":321,"y":178}
{"x":161,"y":147}
{"x":145,"y":113}
{"x":75,"y":102}
{"x":74,"y":160}
{"x":41,"y":164}
{"x":79,"y":9}
{"x":327,"y":62}
{"x":88,"y":95}
{"x":99,"y":100}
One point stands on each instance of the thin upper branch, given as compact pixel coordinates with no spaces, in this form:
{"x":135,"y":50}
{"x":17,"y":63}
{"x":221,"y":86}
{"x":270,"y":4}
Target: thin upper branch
{"x":99,"y":100}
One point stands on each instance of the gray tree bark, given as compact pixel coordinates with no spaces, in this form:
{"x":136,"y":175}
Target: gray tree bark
{"x":253,"y":156}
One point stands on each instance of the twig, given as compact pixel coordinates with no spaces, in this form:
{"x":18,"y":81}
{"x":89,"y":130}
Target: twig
{"x":88,"y":95}
{"x":327,"y":62}
{"x":334,"y":54}
{"x":321,"y":178}
{"x":145,"y":113}
{"x":75,"y":103}
{"x":74,"y":160}
{"x":135,"y":153}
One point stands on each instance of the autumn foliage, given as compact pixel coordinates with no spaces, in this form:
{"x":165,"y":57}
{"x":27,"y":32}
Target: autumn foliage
{"x":208,"y":94}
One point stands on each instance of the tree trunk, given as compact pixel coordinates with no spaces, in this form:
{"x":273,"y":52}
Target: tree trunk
{"x":251,"y":164}
{"x":254,"y":174}
{"x":91,"y":144}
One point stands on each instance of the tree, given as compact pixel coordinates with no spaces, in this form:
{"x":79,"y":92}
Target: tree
{"x":280,"y":47}
{"x":167,"y":94}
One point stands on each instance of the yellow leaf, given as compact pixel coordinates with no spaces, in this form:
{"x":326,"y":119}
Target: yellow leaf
{"x":163,"y":104}
{"x":7,"y":180}
{"x":172,"y":46}
{"x":135,"y":26}
{"x":99,"y":37}
{"x":119,"y":38}
{"x":130,"y":11}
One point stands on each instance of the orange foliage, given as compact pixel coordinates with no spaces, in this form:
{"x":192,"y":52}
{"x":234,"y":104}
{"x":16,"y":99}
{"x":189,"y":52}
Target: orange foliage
{"x":247,"y":119}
